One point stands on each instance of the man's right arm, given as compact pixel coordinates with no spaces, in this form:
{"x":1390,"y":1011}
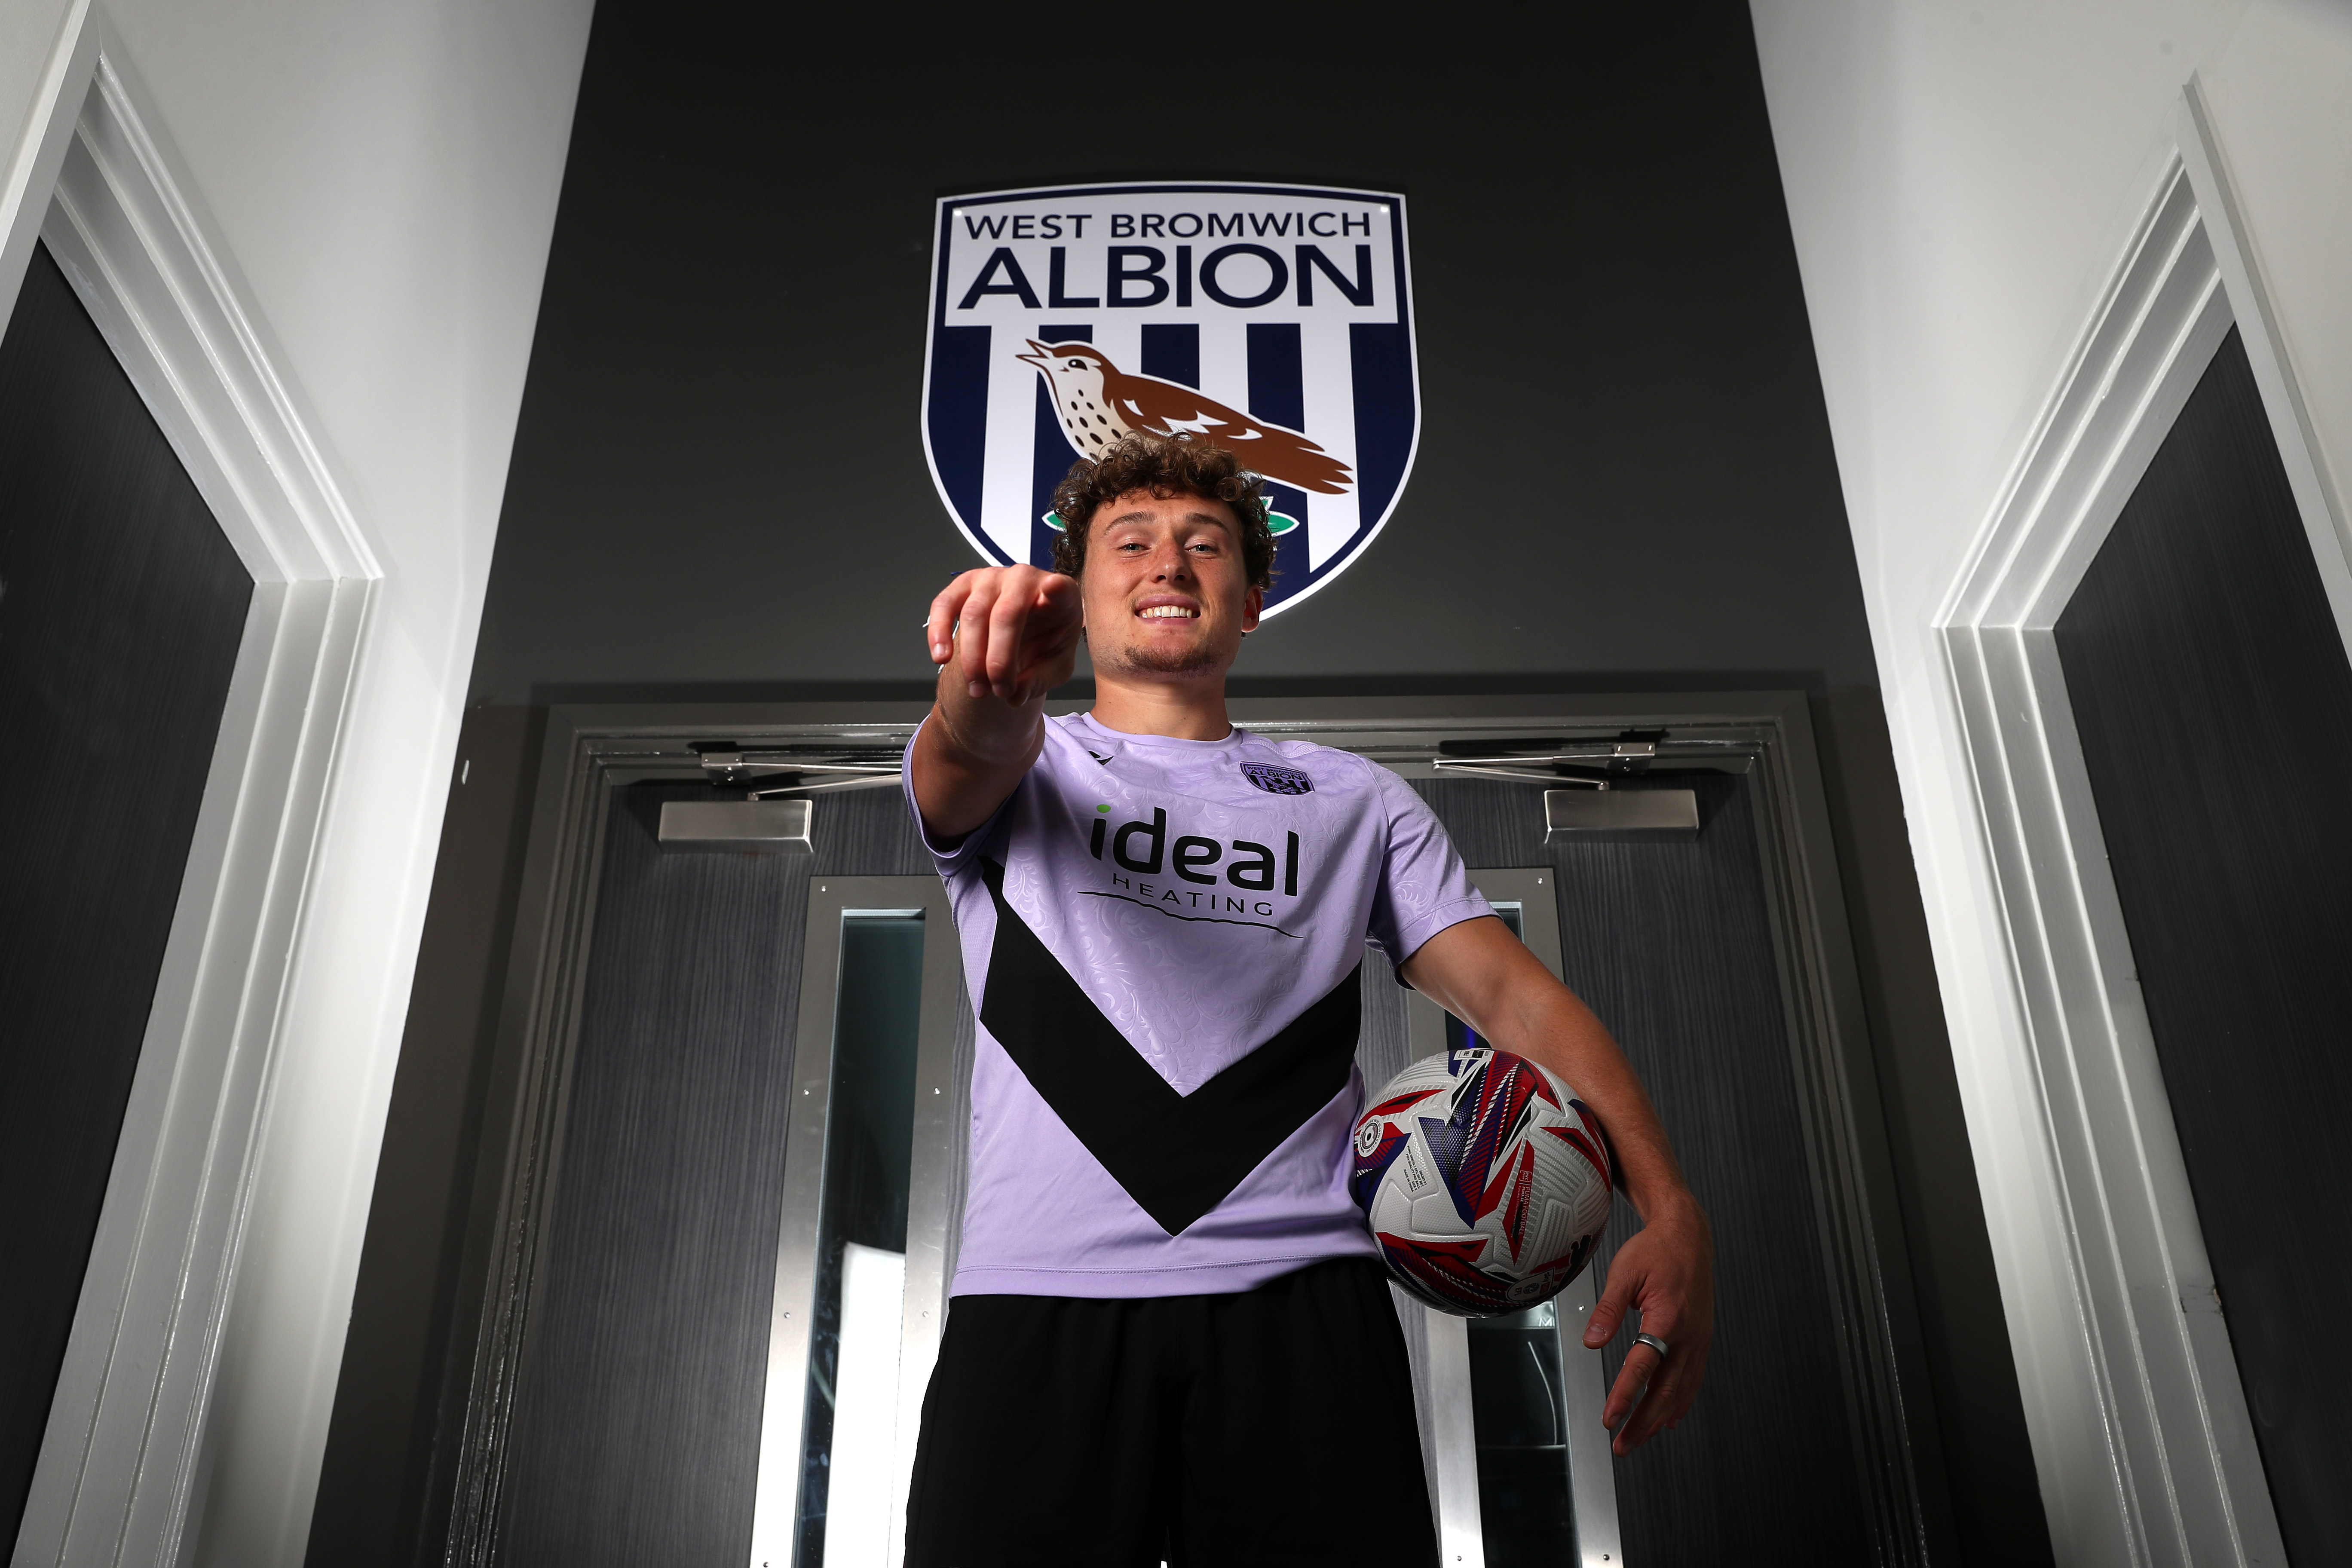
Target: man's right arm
{"x":1003,"y":637}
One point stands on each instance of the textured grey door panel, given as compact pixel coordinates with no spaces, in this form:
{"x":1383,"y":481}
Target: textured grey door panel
{"x":637,"y":1435}
{"x":1672,"y":945}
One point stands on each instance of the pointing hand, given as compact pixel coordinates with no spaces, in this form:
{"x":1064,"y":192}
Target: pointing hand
{"x":1015,"y":629}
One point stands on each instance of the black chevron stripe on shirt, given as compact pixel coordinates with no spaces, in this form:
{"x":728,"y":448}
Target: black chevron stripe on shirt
{"x":1178,"y":1155}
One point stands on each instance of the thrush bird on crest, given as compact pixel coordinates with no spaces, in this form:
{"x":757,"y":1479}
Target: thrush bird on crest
{"x":1098,"y":402}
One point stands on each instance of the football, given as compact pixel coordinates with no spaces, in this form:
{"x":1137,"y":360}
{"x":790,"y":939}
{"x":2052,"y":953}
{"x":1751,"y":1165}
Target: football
{"x":1484,"y":1180}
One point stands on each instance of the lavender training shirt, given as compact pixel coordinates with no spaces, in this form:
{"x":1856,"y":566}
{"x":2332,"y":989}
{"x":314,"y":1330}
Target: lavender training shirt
{"x":1202,"y":895}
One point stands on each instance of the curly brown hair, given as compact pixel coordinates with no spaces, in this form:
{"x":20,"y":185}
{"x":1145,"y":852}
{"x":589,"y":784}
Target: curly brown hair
{"x":1165,"y":466}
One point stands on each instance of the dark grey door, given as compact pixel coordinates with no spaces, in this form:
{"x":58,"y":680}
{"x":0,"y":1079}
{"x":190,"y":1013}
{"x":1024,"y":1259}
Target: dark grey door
{"x":637,"y":1427}
{"x":1674,"y":945}
{"x":2211,"y":689}
{"x":122,"y":607}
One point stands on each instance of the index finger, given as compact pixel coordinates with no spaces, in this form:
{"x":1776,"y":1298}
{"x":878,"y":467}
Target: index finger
{"x":1008,"y":629}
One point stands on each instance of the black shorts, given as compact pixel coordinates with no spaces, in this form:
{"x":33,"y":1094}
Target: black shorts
{"x":1275,"y":1425}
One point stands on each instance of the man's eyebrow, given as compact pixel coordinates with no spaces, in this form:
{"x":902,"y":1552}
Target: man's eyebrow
{"x":1212,"y":519}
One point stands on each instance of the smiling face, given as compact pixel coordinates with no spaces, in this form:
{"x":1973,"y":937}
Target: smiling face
{"x":1166,"y":591}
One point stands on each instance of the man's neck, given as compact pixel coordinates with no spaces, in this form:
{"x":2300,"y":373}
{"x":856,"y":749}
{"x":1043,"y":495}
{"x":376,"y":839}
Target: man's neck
{"x":1179,"y":709}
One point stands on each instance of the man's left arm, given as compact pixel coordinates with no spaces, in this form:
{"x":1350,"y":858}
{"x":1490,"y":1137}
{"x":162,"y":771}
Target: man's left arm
{"x":1484,"y":975}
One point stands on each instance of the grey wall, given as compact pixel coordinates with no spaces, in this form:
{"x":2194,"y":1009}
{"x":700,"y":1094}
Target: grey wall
{"x":1624,"y":483}
{"x":719,"y":484}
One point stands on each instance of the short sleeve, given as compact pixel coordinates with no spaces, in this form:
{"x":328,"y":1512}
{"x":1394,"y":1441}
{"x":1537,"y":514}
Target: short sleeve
{"x":1424,"y":886}
{"x":965,"y":853}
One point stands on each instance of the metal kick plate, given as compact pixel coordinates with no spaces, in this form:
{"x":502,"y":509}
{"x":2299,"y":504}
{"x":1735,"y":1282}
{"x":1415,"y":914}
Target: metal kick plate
{"x":758,"y":827}
{"x":1621,"y":816}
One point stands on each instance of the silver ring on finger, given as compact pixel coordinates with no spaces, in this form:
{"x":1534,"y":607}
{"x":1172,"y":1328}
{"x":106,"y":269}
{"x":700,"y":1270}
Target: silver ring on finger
{"x":1656,"y":1344}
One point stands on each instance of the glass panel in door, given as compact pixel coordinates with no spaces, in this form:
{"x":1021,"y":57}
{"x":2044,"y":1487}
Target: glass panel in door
{"x":848,"y":1445}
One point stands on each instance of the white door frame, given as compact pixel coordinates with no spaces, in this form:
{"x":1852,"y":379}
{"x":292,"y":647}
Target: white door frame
{"x":2111,"y":1296}
{"x":122,"y":1460}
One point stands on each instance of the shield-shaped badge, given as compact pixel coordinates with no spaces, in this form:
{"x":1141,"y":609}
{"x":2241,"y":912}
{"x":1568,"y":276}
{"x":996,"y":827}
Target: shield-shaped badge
{"x":1274,"y":319}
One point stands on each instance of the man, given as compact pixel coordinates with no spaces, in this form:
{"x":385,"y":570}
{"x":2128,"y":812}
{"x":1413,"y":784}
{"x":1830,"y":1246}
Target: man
{"x":1171,"y":1333}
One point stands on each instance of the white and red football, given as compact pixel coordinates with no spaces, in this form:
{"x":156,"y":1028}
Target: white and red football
{"x":1484,"y":1180}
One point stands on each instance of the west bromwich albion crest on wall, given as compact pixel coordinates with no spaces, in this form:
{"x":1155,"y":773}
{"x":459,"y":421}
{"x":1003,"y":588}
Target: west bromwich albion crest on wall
{"x":1274,"y":320}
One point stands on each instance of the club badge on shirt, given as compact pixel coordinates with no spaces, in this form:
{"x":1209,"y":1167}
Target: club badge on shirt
{"x":1277,"y":780}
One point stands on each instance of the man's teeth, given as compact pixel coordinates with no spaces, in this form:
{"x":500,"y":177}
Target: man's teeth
{"x":1168,"y":613}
